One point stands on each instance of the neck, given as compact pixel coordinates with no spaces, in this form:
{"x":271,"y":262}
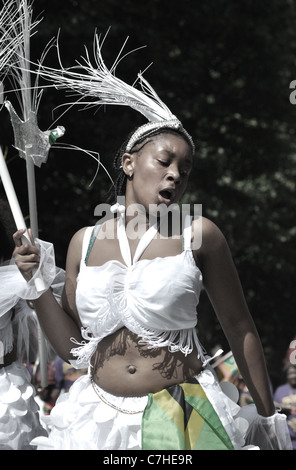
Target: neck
{"x":137,"y":221}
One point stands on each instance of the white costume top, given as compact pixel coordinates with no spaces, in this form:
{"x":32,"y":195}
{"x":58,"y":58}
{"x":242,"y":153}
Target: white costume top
{"x":156,"y":299}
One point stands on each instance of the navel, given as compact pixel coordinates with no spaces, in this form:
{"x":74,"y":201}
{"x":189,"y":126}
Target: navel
{"x":131,"y":368}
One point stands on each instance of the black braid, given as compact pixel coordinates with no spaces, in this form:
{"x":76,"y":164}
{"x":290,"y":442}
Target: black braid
{"x":118,"y":188}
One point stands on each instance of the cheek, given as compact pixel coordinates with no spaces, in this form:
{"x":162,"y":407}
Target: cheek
{"x":143,"y":187}
{"x":147,"y":175}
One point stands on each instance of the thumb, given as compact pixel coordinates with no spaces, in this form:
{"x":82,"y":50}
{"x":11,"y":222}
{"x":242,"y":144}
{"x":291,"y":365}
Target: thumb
{"x":27,"y":237}
{"x":31,"y":236}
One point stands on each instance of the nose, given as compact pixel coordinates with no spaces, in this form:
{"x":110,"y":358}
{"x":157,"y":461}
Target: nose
{"x":174,"y":174}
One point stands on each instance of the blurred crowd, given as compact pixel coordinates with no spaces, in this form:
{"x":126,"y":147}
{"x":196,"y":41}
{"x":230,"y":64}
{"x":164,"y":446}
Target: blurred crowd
{"x":284,"y":395}
{"x":60,"y":377}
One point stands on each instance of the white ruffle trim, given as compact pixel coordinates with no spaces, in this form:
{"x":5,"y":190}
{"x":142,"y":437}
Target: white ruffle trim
{"x":176,"y":340}
{"x":18,"y":320}
{"x":180,"y":340}
{"x":19,"y":413}
{"x":223,"y":400}
{"x":271,"y":433}
{"x":80,"y":420}
{"x":246,"y":429}
{"x":6,"y":336}
{"x":14,"y":284}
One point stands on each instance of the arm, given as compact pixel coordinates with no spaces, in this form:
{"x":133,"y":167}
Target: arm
{"x":59,"y":322}
{"x":223,"y":287}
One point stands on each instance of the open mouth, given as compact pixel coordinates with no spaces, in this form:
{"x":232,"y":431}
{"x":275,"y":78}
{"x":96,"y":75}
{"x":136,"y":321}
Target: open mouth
{"x":166,"y":195}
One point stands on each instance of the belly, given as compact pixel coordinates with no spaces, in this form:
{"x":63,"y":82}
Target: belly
{"x":124,"y":367}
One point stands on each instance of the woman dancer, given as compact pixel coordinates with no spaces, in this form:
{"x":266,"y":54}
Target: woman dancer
{"x":129,"y":306}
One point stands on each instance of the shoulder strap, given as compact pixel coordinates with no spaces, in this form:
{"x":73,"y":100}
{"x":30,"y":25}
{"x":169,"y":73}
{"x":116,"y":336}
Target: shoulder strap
{"x":88,"y":241}
{"x":187,"y":233}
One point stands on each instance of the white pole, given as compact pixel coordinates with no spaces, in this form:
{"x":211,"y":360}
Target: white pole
{"x":12,"y":198}
{"x":30,"y":167}
{"x":34,"y":227}
{"x":27,"y":106}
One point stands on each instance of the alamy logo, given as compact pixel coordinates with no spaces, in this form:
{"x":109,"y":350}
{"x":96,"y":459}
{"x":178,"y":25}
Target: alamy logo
{"x":172,"y":219}
{"x":293,"y":94}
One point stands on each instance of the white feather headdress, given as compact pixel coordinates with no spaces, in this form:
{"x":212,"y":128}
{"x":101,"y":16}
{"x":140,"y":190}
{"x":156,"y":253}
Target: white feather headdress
{"x":102,"y":87}
{"x":10,"y":31}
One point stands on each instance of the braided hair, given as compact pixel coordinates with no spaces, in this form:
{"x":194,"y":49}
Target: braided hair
{"x":119,"y":186}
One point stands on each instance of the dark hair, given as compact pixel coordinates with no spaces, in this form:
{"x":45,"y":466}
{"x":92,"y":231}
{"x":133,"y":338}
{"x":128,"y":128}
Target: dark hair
{"x":120,"y":178}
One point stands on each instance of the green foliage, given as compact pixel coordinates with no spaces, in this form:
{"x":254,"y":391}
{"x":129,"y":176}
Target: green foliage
{"x":224,"y":67}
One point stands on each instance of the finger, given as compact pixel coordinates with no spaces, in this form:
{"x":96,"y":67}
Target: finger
{"x":27,"y":263}
{"x":29,"y":258}
{"x":27,"y":267}
{"x":17,"y":237}
{"x":26,"y":249}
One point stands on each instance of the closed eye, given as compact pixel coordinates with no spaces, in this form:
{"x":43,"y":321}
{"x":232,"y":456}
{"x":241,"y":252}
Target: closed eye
{"x":163,"y":162}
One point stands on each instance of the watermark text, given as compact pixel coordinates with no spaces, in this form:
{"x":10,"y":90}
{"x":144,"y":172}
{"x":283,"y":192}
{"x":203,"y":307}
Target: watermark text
{"x":172,"y":220}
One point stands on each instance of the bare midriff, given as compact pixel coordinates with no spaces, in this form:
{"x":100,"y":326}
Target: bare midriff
{"x":123,"y":367}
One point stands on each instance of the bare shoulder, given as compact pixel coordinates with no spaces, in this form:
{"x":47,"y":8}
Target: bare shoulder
{"x":78,"y":237}
{"x":75,"y":247}
{"x":209,"y":235}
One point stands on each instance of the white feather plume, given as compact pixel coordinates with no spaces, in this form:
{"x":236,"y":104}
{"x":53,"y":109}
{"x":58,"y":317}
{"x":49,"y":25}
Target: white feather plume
{"x":100,"y":85}
{"x":10,"y":31}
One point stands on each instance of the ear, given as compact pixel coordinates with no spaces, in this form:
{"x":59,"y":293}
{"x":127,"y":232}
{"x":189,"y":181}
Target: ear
{"x":128,"y":161}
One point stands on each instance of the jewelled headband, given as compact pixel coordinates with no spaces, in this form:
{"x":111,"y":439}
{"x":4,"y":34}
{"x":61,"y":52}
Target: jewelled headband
{"x":147,"y":129}
{"x":102,"y":86}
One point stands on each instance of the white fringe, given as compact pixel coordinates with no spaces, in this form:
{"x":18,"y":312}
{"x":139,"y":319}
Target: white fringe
{"x":177,"y":340}
{"x":6,"y":341}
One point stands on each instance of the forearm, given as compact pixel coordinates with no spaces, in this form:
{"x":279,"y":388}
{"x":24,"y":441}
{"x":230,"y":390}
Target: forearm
{"x":225,"y":292}
{"x":248,"y":353}
{"x":58,"y":326}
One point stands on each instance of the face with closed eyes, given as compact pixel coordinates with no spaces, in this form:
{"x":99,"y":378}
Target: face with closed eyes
{"x":159,"y":169}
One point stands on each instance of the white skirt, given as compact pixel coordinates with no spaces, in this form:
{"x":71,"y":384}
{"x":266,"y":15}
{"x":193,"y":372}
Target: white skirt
{"x":88,"y":418}
{"x":19,"y":413}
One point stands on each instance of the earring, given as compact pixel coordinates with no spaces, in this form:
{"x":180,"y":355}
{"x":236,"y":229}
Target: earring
{"x":131,"y":174}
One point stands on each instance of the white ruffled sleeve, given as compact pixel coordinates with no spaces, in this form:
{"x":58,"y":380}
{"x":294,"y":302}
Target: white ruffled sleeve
{"x":15,"y":287}
{"x":16,"y":315}
{"x":46,"y":271}
{"x":268,"y":433}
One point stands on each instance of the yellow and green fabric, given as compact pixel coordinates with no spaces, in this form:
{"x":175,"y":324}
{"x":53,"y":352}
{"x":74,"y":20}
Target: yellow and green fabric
{"x":181,"y":417}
